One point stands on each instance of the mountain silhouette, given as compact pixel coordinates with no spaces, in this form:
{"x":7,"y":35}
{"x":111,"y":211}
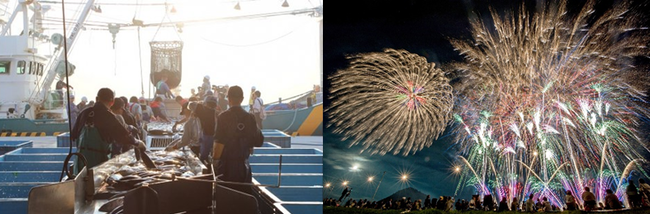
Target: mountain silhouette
{"x":411,"y":192}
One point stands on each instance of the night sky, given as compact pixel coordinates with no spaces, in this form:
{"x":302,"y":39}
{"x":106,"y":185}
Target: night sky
{"x":421,"y":27}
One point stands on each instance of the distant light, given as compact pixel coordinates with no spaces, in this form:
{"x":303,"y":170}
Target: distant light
{"x":404,"y":177}
{"x":370,"y":178}
{"x":535,"y":153}
{"x":328,"y":184}
{"x":345,"y":183}
{"x":457,"y":169}
{"x":355,"y":167}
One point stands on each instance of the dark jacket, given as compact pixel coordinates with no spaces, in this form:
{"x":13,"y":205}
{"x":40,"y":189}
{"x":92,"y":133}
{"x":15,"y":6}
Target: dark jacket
{"x":105,"y":122}
{"x":207,"y":116}
{"x":238,"y":132}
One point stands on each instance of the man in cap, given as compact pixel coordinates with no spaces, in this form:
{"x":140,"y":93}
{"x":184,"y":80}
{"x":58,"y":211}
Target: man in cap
{"x":234,"y":139}
{"x":207,"y":114}
{"x":95,"y":128}
{"x":82,"y":105}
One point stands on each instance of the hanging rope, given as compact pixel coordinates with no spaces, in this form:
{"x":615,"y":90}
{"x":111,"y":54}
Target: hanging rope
{"x":140,"y":56}
{"x":114,"y":61}
{"x":163,"y":21}
{"x":67,"y":82}
{"x":135,"y":14}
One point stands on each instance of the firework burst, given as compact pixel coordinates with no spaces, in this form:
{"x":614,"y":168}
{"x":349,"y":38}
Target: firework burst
{"x":392,"y":101}
{"x":544,"y":97}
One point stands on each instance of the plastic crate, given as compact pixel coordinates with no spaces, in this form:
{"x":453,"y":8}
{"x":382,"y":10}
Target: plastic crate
{"x":63,"y":140}
{"x":277,"y":137}
{"x":8,"y":146}
{"x":159,"y":141}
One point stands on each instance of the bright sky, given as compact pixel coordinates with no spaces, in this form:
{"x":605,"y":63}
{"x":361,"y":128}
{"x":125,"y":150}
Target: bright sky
{"x":279,"y":55}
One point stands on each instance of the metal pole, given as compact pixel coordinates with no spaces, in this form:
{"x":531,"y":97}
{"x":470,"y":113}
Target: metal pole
{"x":382,"y":178}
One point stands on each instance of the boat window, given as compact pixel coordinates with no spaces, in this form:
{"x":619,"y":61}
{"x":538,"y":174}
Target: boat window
{"x":40,"y":69}
{"x":4,"y":67}
{"x":32,"y":68}
{"x":21,"y":67}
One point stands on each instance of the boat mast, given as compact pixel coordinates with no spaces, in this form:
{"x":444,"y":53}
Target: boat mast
{"x":59,"y":56}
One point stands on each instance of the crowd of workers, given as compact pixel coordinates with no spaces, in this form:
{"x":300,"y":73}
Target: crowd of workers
{"x":216,"y":127}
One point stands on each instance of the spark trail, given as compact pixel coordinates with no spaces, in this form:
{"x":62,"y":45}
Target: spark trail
{"x":391,"y":101}
{"x":551,"y":101}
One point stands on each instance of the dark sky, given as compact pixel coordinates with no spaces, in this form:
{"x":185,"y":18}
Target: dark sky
{"x":421,"y":27}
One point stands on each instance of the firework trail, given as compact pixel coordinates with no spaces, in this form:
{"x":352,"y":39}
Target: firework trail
{"x":392,"y":101}
{"x":550,"y":101}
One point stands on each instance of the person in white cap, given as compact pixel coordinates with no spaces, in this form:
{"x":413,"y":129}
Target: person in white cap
{"x":206,"y":85}
{"x":147,"y":112}
{"x":82,"y":105}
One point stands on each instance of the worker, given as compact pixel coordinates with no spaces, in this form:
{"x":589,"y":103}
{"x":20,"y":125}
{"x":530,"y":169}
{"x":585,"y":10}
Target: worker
{"x":162,"y":89}
{"x":207,"y":114}
{"x":129,"y":118}
{"x":182,"y":102}
{"x":235,"y":136}
{"x":191,"y":132}
{"x":95,"y":128}
{"x":59,"y":89}
{"x":72,"y":110}
{"x":205,"y":87}
{"x":251,"y":99}
{"x":159,"y":110}
{"x":82,"y":105}
{"x":136,"y":110}
{"x":118,"y":110}
{"x":147,"y":112}
{"x":258,"y":109}
{"x":185,"y":112}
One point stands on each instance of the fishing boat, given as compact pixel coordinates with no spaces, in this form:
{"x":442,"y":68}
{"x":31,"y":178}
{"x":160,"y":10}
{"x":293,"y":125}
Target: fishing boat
{"x":302,"y":116}
{"x":33,"y":60}
{"x":30,"y":105}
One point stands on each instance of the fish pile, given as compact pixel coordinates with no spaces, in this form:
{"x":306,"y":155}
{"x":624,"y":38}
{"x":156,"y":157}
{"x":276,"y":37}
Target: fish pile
{"x":127,"y":174}
{"x":157,"y":128}
{"x":119,"y":175}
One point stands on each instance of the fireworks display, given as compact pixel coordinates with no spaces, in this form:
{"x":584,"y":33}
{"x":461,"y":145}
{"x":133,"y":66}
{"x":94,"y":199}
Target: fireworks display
{"x":391,"y":101}
{"x":551,"y":101}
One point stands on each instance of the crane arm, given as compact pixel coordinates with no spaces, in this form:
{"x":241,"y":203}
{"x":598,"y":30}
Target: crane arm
{"x":59,"y":56}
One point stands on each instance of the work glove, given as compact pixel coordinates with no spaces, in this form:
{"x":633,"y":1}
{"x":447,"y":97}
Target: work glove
{"x":140,"y":145}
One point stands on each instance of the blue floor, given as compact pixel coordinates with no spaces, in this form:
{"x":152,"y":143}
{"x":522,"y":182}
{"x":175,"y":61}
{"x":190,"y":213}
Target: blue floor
{"x":301,"y":186}
{"x":24,"y":168}
{"x":300,"y":190}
